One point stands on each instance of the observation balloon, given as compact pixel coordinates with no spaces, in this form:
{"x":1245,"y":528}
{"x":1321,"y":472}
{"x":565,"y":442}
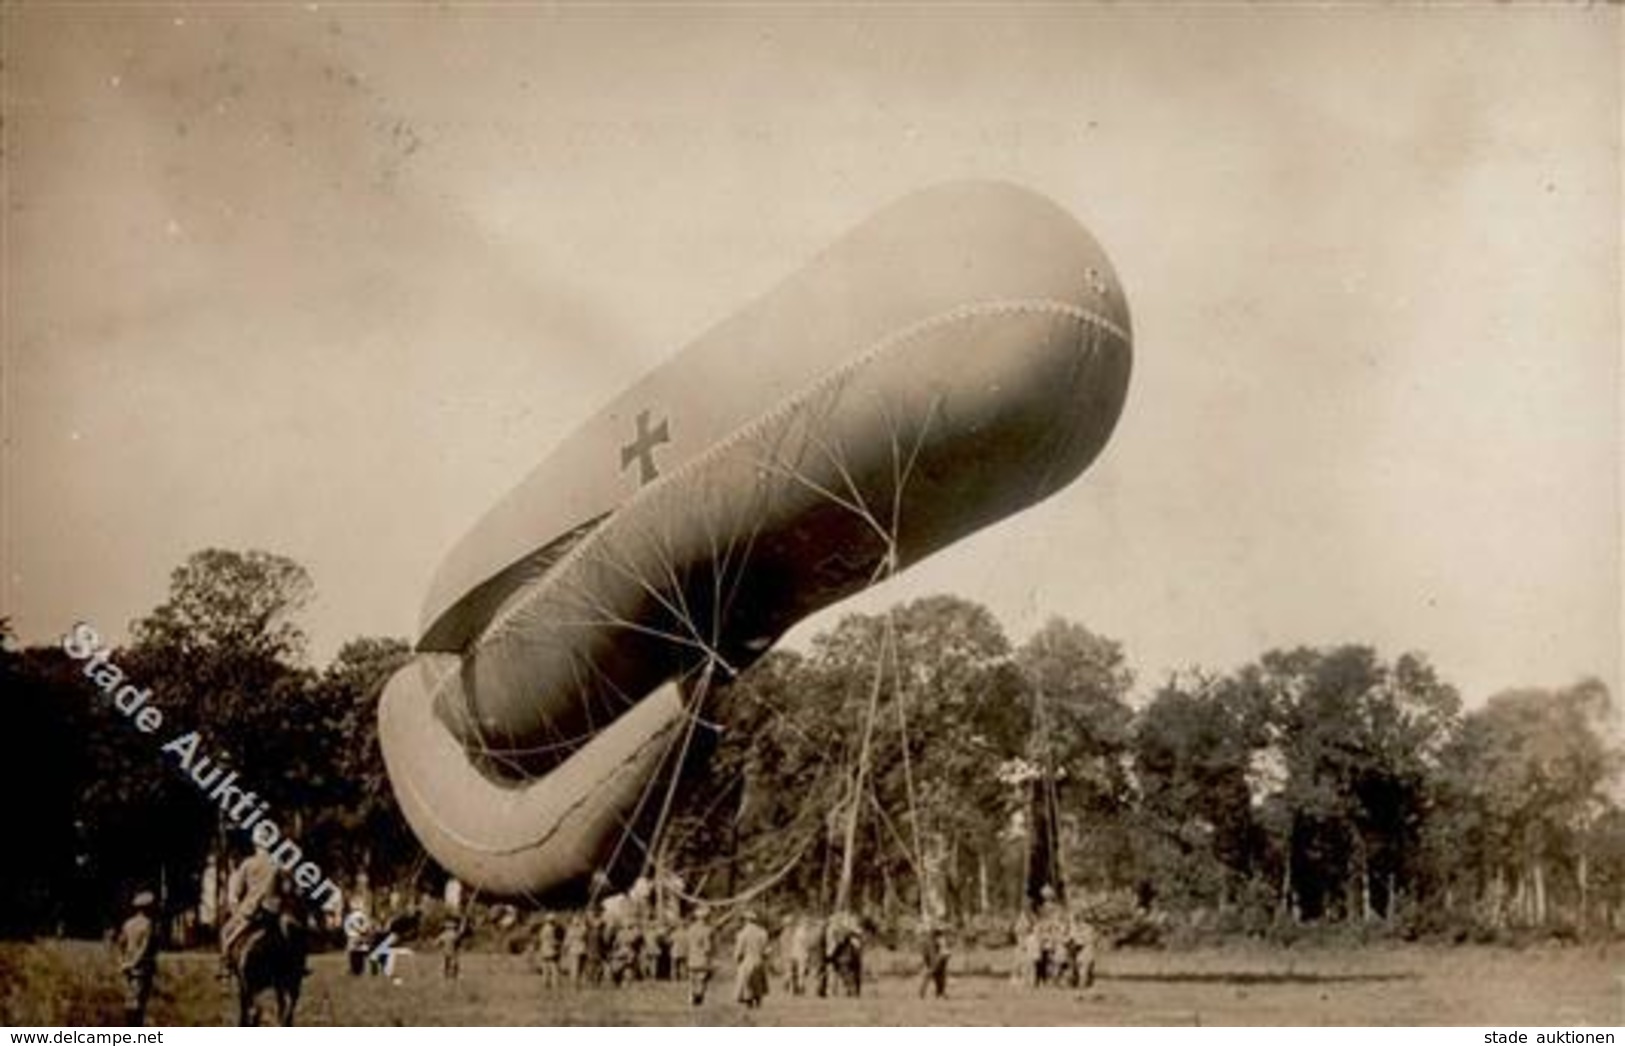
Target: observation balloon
{"x":955,"y":359}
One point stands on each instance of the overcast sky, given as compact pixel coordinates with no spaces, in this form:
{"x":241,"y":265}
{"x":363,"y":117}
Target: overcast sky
{"x":327,"y":280}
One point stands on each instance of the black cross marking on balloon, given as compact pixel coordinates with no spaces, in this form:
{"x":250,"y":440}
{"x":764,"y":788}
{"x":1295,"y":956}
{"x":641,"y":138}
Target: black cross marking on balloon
{"x":642,"y":449}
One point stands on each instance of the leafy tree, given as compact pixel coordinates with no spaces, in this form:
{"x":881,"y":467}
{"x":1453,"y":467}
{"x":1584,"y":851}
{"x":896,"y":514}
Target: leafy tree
{"x":221,"y":600}
{"x":1078,"y":728}
{"x":44,"y":703}
{"x":1195,"y":749}
{"x":1356,"y":739}
{"x":360,"y":804}
{"x":1524,"y":788}
{"x":939,"y":671}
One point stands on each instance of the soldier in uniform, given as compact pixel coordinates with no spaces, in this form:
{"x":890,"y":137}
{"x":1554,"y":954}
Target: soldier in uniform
{"x":1052,"y":920}
{"x":453,"y":931}
{"x":547,"y":951}
{"x":1080,"y":952}
{"x":356,"y":941}
{"x":750,"y":958}
{"x":649,"y":950}
{"x":254,"y":894}
{"x":664,"y":949}
{"x":1030,"y":970}
{"x":575,"y":949}
{"x":797,"y":954}
{"x":933,"y":960}
{"x":623,"y":956}
{"x":600,"y":939}
{"x":138,"y":958}
{"x":699,"y":942}
{"x":843,"y":951}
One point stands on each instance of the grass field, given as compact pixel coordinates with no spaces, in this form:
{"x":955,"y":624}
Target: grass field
{"x":73,"y":983}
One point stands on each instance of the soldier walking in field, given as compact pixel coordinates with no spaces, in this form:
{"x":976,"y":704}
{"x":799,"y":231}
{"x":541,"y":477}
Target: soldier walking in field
{"x":453,"y":931}
{"x":933,"y":960}
{"x":799,"y":955}
{"x":699,"y":942}
{"x":548,"y":946}
{"x":843,"y":952}
{"x":750,"y":957}
{"x":138,"y":958}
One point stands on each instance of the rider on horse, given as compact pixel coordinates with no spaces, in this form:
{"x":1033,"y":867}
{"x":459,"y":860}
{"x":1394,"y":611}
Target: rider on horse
{"x":263,"y":942}
{"x":254,"y":896}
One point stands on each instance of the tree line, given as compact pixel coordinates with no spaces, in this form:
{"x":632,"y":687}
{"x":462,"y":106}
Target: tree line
{"x":1311,"y":786}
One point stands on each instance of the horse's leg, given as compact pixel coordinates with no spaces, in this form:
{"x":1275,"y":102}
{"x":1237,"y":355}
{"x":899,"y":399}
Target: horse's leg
{"x":268,"y":1005}
{"x":287,"y":998}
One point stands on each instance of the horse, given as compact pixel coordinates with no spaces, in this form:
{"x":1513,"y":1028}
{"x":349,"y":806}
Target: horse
{"x":268,"y":964}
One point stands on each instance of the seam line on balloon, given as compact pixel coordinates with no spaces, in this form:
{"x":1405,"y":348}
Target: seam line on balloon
{"x":658,"y":489}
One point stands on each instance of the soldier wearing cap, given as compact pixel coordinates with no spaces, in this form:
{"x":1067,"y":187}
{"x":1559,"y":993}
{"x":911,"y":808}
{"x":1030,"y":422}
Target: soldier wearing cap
{"x":750,"y":958}
{"x":138,"y":958}
{"x":699,"y":941}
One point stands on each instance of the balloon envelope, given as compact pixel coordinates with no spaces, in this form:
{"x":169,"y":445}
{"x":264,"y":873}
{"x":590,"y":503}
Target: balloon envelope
{"x":957,"y":358}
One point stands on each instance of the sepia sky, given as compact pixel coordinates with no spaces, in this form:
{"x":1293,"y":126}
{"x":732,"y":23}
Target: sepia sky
{"x":329,"y":279}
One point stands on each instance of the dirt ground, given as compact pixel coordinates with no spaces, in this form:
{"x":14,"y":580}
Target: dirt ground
{"x":63,"y":983}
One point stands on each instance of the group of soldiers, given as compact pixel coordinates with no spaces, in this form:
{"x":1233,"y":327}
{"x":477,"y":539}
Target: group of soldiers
{"x":1057,"y":947}
{"x":592,"y":949}
{"x":625,"y":941}
{"x":819,"y":956}
{"x":620,"y":945}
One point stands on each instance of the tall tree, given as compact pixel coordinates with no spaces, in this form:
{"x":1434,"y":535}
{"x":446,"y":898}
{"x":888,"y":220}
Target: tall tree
{"x":360,"y":803}
{"x":1196,"y":749}
{"x":223,"y":655}
{"x":1079,"y":727}
{"x":1355,"y":739}
{"x":1525,"y":785}
{"x":929,"y":684}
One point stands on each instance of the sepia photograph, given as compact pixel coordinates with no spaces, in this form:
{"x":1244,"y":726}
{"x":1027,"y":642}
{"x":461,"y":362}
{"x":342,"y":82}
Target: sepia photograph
{"x":802,"y":514}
